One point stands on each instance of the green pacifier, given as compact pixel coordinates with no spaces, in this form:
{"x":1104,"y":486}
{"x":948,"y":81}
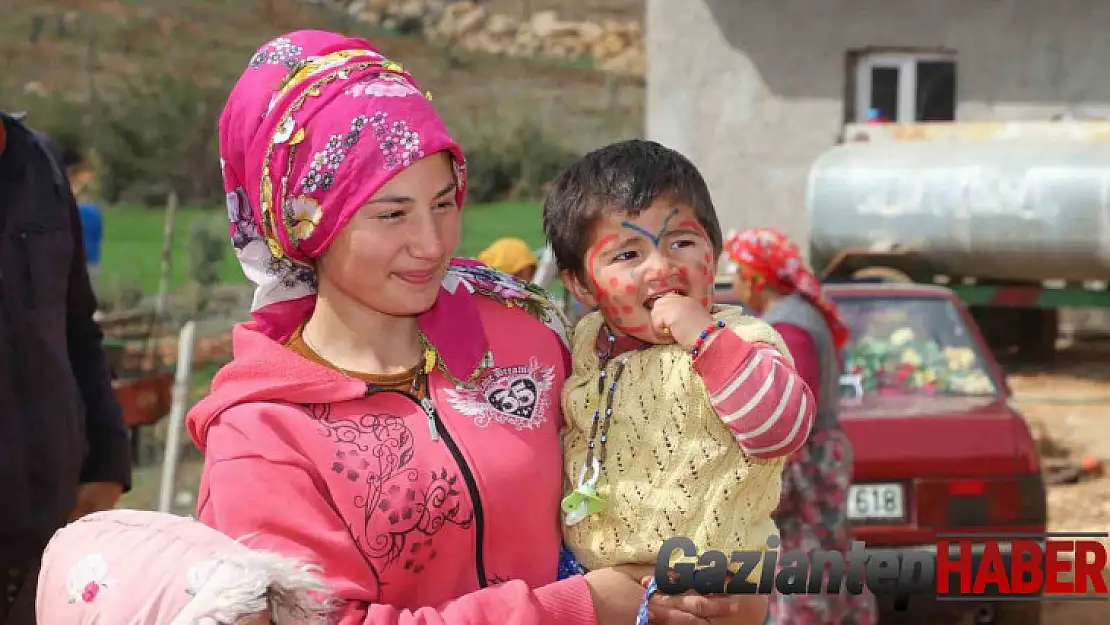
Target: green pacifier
{"x":584,"y":500}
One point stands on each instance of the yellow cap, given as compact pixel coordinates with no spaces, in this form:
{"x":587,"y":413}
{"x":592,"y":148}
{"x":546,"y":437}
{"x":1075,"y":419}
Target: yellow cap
{"x":508,"y":255}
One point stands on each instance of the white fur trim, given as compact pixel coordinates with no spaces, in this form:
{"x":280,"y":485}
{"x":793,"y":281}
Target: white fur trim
{"x":245,"y":583}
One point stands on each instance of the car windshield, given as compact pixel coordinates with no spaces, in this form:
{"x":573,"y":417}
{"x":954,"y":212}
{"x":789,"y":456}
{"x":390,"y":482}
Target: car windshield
{"x":903,"y":346}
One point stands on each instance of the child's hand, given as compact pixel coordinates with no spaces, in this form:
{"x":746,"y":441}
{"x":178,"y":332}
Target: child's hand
{"x":683,"y":317}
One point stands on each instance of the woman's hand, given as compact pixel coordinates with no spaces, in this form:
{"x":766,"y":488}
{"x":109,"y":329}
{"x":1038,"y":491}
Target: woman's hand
{"x":616,"y":596}
{"x":618,"y":591}
{"x":711,"y":609}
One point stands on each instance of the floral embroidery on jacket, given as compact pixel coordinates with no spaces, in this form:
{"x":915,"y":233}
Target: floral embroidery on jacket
{"x":87,"y":577}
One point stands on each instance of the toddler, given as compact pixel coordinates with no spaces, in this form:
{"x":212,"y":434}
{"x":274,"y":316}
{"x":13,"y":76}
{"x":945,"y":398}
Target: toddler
{"x":679,"y":414}
{"x":132,"y":567}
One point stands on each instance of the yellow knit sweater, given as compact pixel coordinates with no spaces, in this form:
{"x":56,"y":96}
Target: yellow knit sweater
{"x":672,"y":467}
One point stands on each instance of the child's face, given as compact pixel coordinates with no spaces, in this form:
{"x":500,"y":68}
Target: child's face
{"x":631,"y":262}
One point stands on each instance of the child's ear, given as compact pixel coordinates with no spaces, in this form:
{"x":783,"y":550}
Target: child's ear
{"x":577,"y":289}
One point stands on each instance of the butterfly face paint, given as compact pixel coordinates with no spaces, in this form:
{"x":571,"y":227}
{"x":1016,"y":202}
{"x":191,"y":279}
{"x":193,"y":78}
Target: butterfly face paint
{"x":636,"y":260}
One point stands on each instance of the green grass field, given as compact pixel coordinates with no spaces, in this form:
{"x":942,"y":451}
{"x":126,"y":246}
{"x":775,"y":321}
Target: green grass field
{"x":132,"y":248}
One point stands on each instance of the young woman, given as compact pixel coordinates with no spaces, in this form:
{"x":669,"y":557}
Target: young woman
{"x":391,"y":414}
{"x":772,"y":279}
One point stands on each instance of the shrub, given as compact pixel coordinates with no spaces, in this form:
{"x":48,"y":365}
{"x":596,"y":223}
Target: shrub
{"x":159,"y":135}
{"x":517,"y":165}
{"x":151,"y":137}
{"x":208,"y":246}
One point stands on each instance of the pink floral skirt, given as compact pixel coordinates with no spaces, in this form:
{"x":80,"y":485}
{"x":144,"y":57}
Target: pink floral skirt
{"x":811,"y":516}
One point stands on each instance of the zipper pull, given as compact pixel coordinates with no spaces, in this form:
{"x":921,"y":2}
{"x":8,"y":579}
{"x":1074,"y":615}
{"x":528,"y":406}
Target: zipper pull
{"x":430,"y":410}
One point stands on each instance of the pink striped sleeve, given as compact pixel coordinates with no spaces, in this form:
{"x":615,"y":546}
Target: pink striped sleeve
{"x":765,"y":403}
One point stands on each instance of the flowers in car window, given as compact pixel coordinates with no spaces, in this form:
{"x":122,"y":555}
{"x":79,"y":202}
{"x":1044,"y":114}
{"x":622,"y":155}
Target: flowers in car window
{"x":959,"y":358}
{"x":901,"y":336}
{"x":902,"y":363}
{"x":910,"y":356}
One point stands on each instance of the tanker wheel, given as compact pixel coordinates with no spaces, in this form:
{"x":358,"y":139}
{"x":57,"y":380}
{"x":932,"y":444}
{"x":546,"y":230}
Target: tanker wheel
{"x":1039,"y":330}
{"x":883,"y":274}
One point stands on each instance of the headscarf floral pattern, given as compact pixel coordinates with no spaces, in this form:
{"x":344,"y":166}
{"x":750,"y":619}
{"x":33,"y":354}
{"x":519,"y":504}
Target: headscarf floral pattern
{"x":768,"y":255}
{"x":315,"y":125}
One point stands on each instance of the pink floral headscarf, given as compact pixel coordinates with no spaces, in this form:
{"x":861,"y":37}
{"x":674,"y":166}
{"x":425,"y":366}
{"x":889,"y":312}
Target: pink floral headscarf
{"x":317,"y":123}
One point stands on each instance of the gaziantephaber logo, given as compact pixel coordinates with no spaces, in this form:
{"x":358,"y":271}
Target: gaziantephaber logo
{"x":984,"y":567}
{"x":1044,"y":566}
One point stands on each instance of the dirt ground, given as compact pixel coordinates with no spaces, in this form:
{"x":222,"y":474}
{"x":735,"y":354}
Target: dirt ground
{"x":1067,"y":405}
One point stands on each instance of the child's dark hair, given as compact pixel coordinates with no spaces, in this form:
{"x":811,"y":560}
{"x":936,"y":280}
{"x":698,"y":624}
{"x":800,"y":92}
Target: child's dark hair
{"x":626,"y":178}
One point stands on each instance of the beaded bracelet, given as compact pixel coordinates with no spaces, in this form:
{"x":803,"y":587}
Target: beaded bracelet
{"x":704,"y":335}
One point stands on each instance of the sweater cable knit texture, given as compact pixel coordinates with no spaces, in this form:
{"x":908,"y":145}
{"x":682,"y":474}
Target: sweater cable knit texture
{"x":673,"y":467}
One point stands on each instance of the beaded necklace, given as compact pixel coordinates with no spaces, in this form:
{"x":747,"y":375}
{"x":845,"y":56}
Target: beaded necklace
{"x":584,"y":501}
{"x":432,"y":356}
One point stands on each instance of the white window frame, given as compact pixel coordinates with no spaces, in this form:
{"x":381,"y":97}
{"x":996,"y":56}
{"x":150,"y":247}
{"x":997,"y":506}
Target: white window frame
{"x":906,"y":64}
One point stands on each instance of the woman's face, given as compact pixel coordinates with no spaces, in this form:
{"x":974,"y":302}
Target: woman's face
{"x":393,"y":254}
{"x":746,"y":291}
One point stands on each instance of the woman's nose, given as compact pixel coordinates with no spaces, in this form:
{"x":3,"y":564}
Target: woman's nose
{"x":426,"y":241}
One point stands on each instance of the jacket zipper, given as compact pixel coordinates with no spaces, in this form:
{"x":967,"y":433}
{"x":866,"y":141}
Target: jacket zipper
{"x":438,"y":430}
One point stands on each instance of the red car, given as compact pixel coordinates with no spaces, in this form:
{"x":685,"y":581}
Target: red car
{"x":937,"y":446}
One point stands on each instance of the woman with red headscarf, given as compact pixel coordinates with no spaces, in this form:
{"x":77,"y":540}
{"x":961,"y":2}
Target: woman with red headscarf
{"x":391,"y":413}
{"x":772,"y":279}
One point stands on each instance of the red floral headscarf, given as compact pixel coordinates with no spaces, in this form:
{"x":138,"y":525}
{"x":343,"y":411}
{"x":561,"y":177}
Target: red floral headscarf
{"x":767,"y":257}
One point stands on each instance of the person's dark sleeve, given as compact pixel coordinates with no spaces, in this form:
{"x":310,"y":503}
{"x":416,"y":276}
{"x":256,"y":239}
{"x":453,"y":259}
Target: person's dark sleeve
{"x":109,"y":458}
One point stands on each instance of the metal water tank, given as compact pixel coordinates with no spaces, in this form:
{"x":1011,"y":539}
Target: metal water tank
{"x":1027,"y":210}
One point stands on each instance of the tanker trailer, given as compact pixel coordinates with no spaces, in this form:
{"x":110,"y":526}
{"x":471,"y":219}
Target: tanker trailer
{"x":1018,"y":228}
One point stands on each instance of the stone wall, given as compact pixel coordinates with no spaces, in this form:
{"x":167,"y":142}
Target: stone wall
{"x":609,"y":45}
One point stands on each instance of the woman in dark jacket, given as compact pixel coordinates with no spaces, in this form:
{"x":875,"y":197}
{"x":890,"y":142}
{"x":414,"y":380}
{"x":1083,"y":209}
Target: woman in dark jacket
{"x":773,"y":281}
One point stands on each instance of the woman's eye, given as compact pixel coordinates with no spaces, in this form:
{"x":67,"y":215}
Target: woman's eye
{"x":445,"y":205}
{"x":683,"y":243}
{"x":623,"y":256}
{"x":391,"y":215}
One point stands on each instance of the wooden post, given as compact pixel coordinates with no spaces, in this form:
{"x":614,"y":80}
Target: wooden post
{"x":167,"y":255}
{"x":160,"y":301}
{"x":185,"y":343}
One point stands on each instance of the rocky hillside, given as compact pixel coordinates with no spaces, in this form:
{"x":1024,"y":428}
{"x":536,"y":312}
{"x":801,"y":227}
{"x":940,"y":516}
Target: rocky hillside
{"x":610,"y":41}
{"x":141,"y":83}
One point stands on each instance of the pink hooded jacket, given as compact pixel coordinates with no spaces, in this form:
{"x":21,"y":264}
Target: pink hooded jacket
{"x":447,"y":515}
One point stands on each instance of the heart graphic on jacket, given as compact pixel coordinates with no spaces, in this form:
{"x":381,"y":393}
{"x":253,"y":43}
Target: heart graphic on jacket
{"x":518,"y":399}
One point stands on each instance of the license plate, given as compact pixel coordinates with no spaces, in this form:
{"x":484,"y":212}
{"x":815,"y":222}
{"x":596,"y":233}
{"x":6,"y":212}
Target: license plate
{"x":872,"y":502}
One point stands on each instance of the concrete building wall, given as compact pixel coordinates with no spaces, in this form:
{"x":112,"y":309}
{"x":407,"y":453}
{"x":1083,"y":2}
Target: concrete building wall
{"x":753,"y":90}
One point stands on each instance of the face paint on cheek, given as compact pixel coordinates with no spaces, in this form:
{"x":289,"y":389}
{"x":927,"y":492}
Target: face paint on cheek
{"x":708,"y":265}
{"x":591,"y":257}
